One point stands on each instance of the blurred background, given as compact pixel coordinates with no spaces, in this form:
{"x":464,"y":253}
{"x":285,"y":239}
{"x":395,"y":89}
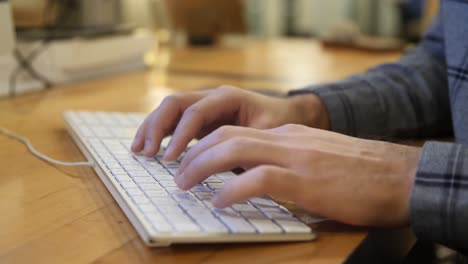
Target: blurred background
{"x":62,"y":41}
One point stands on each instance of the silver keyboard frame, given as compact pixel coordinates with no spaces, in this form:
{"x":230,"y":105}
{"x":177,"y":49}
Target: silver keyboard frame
{"x":144,"y":229}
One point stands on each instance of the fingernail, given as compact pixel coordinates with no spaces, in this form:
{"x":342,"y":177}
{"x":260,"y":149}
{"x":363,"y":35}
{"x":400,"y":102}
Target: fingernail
{"x":166,"y":157}
{"x":167,"y":153}
{"x":179,"y":179}
{"x":134,"y":144}
{"x":147,"y":147}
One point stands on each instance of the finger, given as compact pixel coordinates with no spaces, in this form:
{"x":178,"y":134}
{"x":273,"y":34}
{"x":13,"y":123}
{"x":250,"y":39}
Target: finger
{"x":139,"y":140}
{"x":230,"y":154}
{"x":196,"y":117}
{"x":261,"y":180}
{"x":164,"y":118}
{"x":222,"y":134}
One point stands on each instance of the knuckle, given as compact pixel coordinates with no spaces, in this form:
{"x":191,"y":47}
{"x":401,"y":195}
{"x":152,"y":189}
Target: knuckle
{"x":293,"y":127}
{"x":223,"y":132}
{"x":265,"y":173}
{"x":289,"y":128}
{"x":230,"y":92}
{"x":238,"y":144}
{"x":226,"y":89}
{"x":193,"y":110}
{"x":171,"y":100}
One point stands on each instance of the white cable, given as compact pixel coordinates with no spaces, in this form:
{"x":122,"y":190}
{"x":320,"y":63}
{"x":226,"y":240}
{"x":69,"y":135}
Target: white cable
{"x":36,"y":153}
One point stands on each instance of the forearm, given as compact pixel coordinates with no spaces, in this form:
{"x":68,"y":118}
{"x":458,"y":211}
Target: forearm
{"x":398,"y":99}
{"x":405,"y":98}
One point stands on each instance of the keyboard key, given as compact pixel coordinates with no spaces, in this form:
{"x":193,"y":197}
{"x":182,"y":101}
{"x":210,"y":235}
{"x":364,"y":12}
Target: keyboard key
{"x":183,"y":196}
{"x":211,"y":224}
{"x":85,"y":131}
{"x":263,"y":202}
{"x":212,"y":179}
{"x":139,"y":174}
{"x":159,"y":222}
{"x":113,"y":165}
{"x":244,"y":208}
{"x":123,"y":120}
{"x":129,"y":162}
{"x":169,"y":183}
{"x":191,"y":206}
{"x":146,"y":180}
{"x":208,"y":204}
{"x":141,"y":199}
{"x":89,"y":118}
{"x":198,"y":211}
{"x":226,"y":176}
{"x":123,"y":178}
{"x":170,"y":164}
{"x":253,"y":215}
{"x":157,"y":193}
{"x":128,"y":184}
{"x":101,"y":131}
{"x":185,"y":227}
{"x":106,"y":119}
{"x":170,"y":210}
{"x":164,"y":201}
{"x":118,"y":171}
{"x":265,"y":226}
{"x":172,"y":171}
{"x":293,"y":226}
{"x":133,"y":167}
{"x":134,"y":192}
{"x":200,"y":188}
{"x":204,"y":195}
{"x":235,"y":222}
{"x":214,"y":185}
{"x":277,"y":213}
{"x":151,"y":186}
{"x":73,"y":117}
{"x":172,"y":189}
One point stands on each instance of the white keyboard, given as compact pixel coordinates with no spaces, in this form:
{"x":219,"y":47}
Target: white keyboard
{"x":161,"y":213}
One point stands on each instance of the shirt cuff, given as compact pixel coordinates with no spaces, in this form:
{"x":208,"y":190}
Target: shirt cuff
{"x":329,"y":94}
{"x":354,"y":107}
{"x":439,"y":201}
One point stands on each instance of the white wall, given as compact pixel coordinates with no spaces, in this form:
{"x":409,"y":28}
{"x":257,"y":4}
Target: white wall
{"x":138,"y":12}
{"x":267,"y":17}
{"x":6,"y":29}
{"x":387,"y":14}
{"x":317,"y":16}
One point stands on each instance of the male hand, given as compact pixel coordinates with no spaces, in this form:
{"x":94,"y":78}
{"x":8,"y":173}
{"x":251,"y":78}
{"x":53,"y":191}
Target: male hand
{"x":351,"y":180}
{"x":196,"y":114}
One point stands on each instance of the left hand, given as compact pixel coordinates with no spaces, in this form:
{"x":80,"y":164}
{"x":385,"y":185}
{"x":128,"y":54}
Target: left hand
{"x":355,"y":181}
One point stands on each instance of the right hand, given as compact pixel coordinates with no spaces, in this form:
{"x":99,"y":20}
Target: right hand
{"x":196,"y":114}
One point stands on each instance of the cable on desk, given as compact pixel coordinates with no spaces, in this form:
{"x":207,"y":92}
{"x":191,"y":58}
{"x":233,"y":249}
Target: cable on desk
{"x":36,"y":153}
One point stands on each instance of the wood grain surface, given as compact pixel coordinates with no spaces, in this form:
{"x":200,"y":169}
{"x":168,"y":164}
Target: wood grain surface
{"x":52,"y":214}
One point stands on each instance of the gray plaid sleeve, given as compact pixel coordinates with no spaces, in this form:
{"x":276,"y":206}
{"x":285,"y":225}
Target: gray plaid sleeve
{"x":405,"y":98}
{"x":439,"y":202}
{"x":410,"y":98}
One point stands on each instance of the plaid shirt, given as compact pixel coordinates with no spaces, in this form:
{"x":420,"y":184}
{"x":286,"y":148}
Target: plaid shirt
{"x":424,"y":94}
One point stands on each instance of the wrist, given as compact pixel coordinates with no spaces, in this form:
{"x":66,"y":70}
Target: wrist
{"x":310,"y":111}
{"x":405,"y":167}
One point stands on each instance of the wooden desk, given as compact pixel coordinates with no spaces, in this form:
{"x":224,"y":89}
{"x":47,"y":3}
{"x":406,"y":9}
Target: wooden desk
{"x":65,"y":215}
